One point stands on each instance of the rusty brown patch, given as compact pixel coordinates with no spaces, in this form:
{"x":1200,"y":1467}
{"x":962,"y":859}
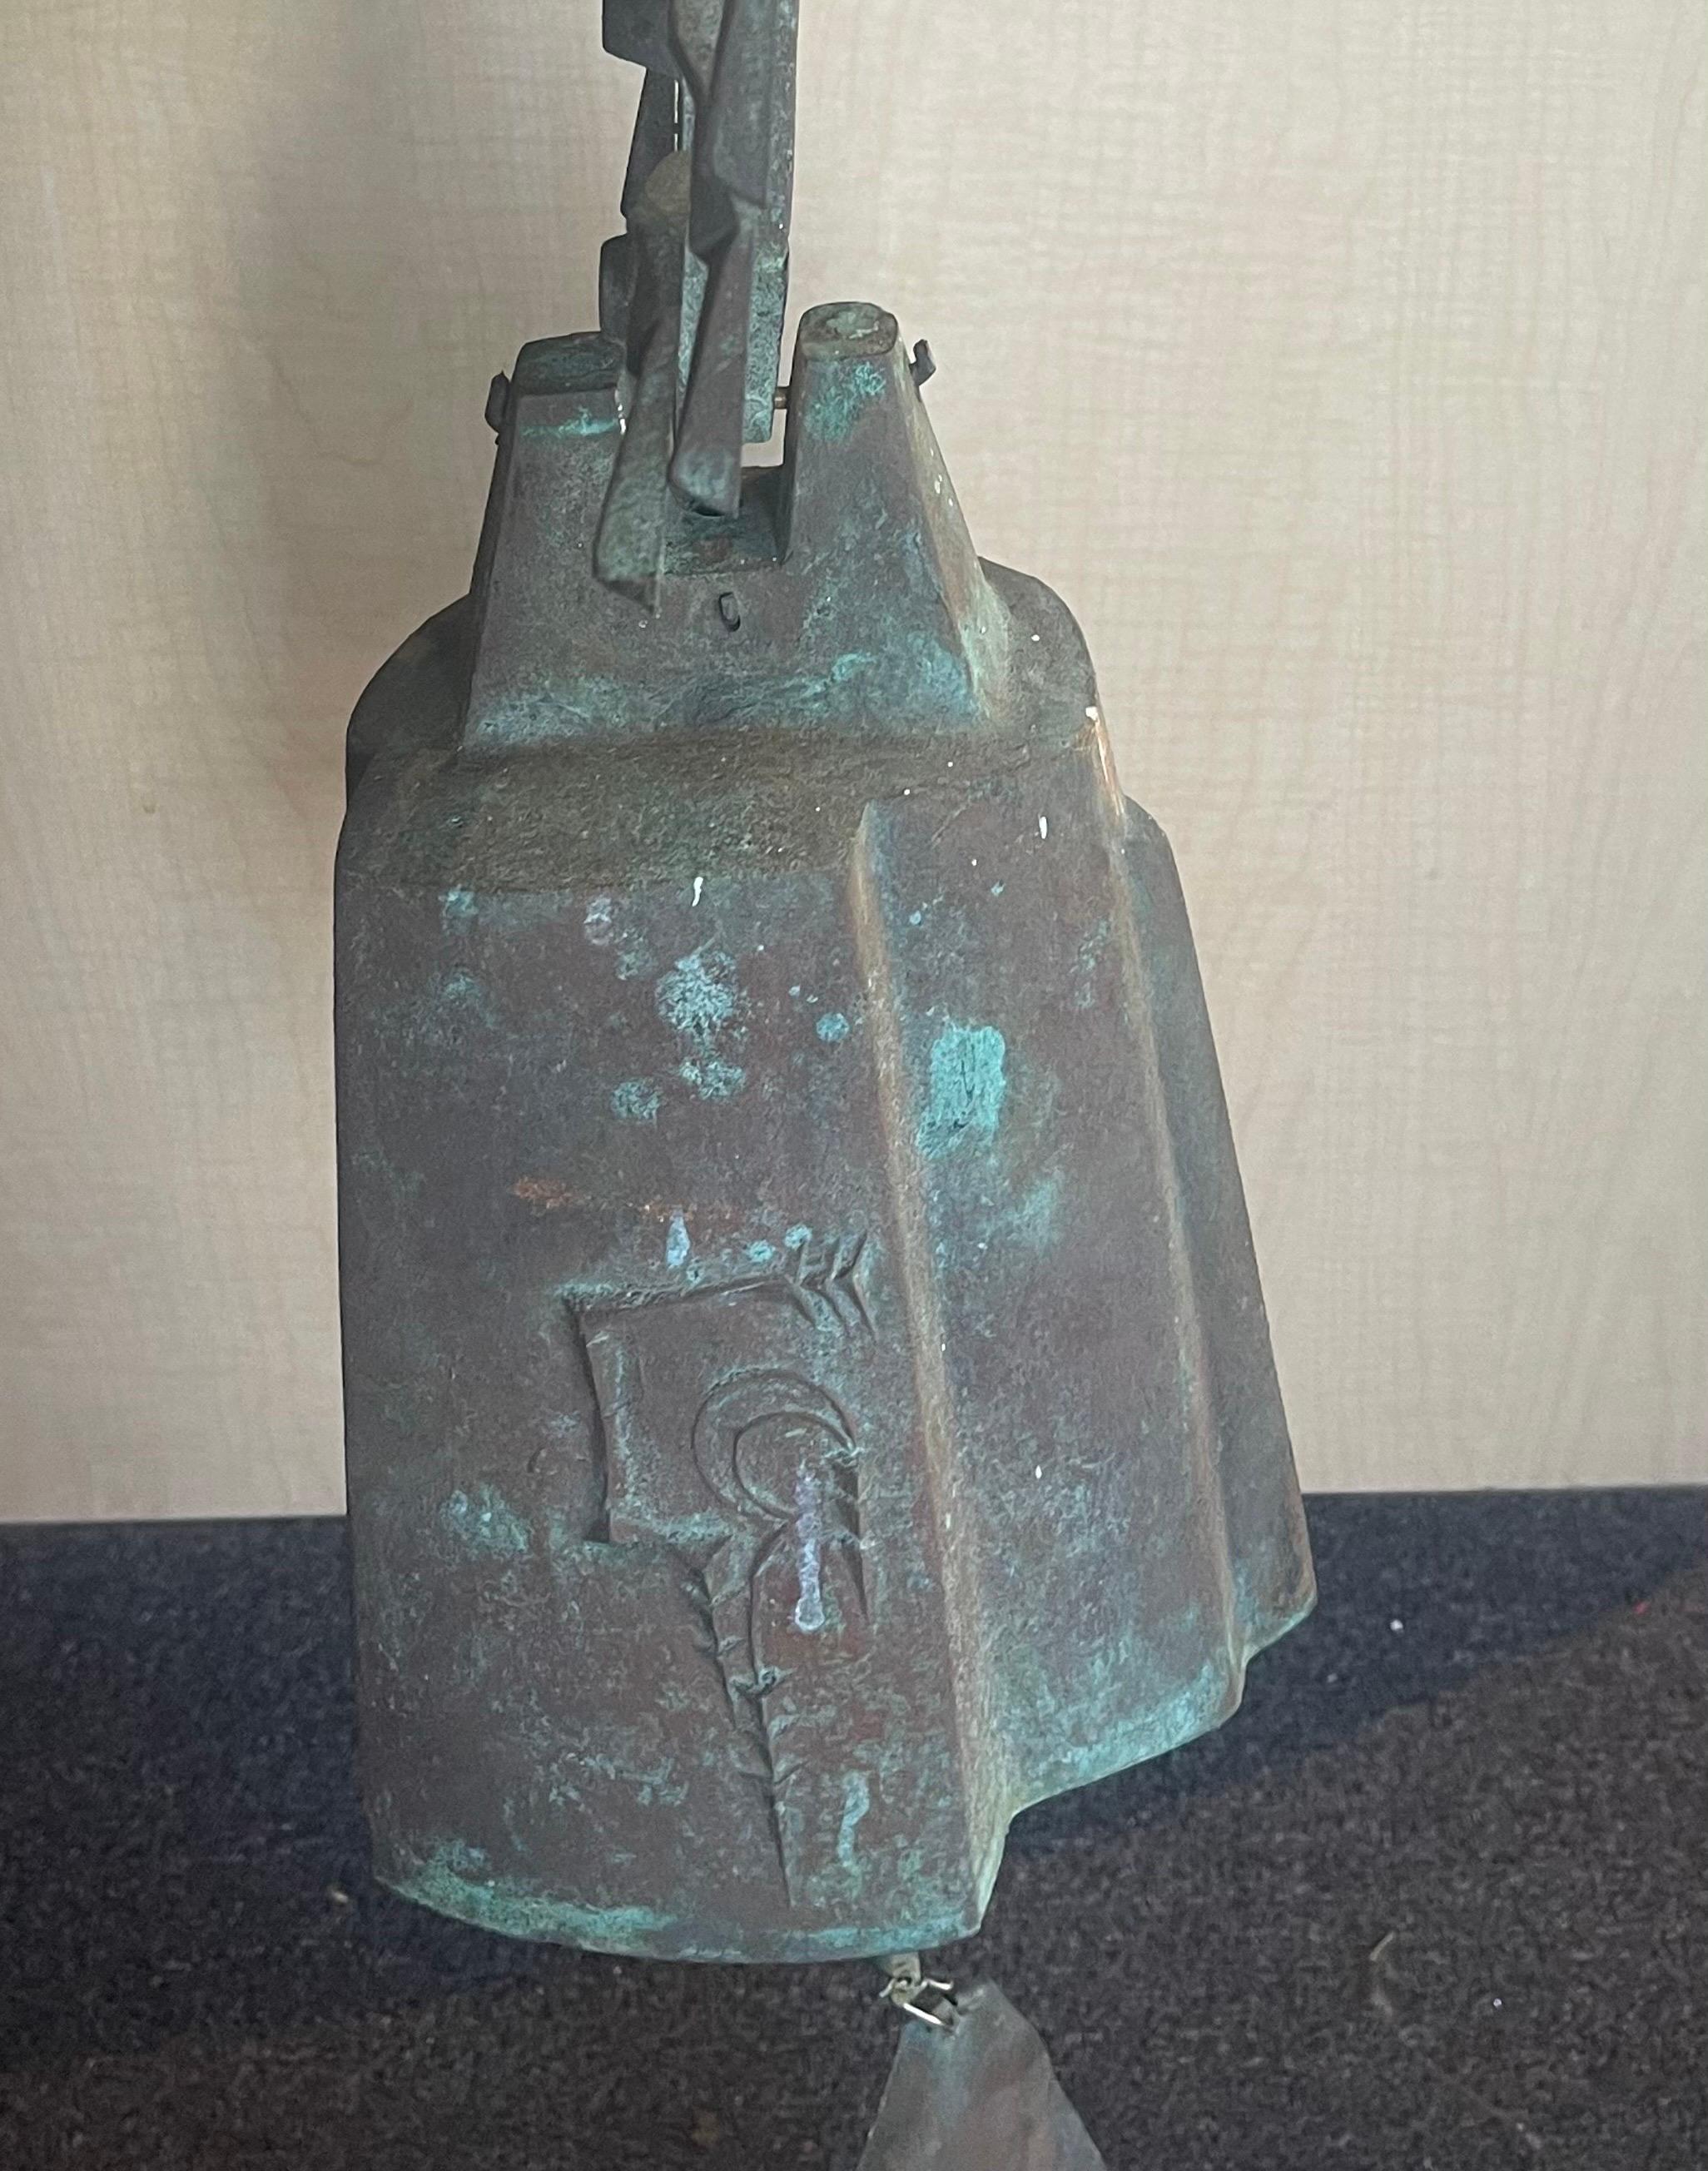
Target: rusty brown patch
{"x":546,"y":1192}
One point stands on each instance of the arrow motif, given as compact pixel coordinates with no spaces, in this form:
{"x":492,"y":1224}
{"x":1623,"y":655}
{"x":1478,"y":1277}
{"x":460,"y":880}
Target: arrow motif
{"x":824,"y":1283}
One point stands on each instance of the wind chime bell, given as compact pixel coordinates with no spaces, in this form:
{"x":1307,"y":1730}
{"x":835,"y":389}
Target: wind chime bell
{"x":808,"y":1392}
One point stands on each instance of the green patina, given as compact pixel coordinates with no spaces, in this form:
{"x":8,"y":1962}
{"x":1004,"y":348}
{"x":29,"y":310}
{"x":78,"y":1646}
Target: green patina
{"x":940,"y":677}
{"x":826,"y":742}
{"x":1034,"y":1217}
{"x":462,"y":995}
{"x":636,"y":1101}
{"x":1087,"y":960}
{"x":713,"y":1079}
{"x":698,"y":997}
{"x":968,"y":1084}
{"x":842,"y":396}
{"x":456,"y":1879}
{"x":857,"y":1801}
{"x":580,"y":422}
{"x":483,"y":1520}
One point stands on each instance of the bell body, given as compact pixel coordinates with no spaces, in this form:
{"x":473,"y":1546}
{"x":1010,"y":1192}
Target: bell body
{"x":808,"y":1392}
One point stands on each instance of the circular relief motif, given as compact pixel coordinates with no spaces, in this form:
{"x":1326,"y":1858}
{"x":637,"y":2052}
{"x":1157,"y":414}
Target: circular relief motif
{"x":758,"y":1433}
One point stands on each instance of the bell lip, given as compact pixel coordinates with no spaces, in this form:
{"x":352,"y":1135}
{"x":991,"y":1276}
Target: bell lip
{"x":641,"y":1933}
{"x":512,"y":1908}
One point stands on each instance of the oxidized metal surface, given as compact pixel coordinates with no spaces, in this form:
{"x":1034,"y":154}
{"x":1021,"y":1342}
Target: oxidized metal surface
{"x":808,"y":1393}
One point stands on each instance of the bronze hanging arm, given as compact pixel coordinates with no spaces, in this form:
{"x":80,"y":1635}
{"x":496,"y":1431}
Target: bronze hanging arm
{"x":694,"y":289}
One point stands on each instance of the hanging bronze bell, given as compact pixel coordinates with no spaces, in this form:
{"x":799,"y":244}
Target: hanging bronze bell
{"x":808,"y":1391}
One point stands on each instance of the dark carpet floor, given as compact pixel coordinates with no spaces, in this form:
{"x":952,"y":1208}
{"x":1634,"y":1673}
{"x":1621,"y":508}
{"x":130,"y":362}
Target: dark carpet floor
{"x":1435,"y":1898}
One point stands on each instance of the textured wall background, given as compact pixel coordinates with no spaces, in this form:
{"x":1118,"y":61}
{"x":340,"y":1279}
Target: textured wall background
{"x":1341,"y":361}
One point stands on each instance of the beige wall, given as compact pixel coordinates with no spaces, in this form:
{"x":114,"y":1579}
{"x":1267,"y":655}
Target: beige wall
{"x":1341,"y":361}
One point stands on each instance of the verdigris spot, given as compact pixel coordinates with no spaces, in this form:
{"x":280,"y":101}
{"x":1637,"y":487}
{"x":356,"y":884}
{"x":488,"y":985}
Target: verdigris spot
{"x":698,"y":997}
{"x":484,"y":1520}
{"x":456,"y":1879}
{"x":857,"y":1799}
{"x":459,"y":997}
{"x":636,"y":1101}
{"x":713,"y":1079}
{"x":839,"y":397}
{"x":967,"y":1086}
{"x":582,"y":422}
{"x":831,"y":1027}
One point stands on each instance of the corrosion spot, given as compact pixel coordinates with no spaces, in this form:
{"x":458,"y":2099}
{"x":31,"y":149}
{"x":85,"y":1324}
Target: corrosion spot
{"x":636,"y":1101}
{"x":547,"y":1192}
{"x":697,"y":997}
{"x":968,"y":1084}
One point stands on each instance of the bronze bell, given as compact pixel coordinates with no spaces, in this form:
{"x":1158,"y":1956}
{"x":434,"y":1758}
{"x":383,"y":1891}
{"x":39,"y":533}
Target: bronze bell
{"x":808,"y":1391}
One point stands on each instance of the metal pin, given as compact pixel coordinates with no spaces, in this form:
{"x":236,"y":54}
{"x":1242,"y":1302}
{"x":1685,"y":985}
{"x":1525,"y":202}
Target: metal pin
{"x":920,"y":1996}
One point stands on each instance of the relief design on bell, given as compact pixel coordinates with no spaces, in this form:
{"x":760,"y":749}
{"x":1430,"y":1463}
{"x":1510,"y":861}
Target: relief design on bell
{"x":723,"y":1434}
